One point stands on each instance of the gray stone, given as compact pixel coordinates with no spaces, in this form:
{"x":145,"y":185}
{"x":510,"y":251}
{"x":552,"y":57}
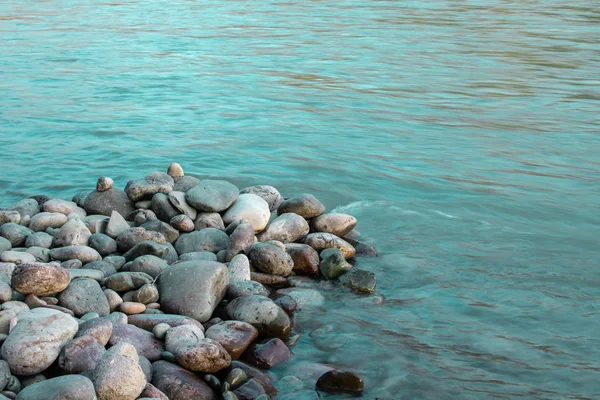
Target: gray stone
{"x":80,"y":197}
{"x":212,"y":195}
{"x":303,"y":297}
{"x":42,"y":221}
{"x":306,"y":205}
{"x":140,"y":217}
{"x":209,"y":220}
{"x":185,"y":183}
{"x":7,"y":317}
{"x":195,"y":353}
{"x":16,"y":257}
{"x":333,"y":263}
{"x":251,"y":208}
{"x":148,"y":321}
{"x":160,"y":331}
{"x":366,"y":250}
{"x":126,"y":281}
{"x":98,"y":328}
{"x":208,"y":239}
{"x":114,"y":300}
{"x":144,"y":189}
{"x":117,"y":261}
{"x":170,"y":234}
{"x":143,"y":205}
{"x":178,"y":201}
{"x":198,"y":255}
{"x":15,"y":234}
{"x":62,"y":206}
{"x":163,"y":208}
{"x":149,"y":264}
{"x":267,"y":193}
{"x":239,"y":268}
{"x":148,"y":248}
{"x":84,"y":295}
{"x":117,"y":318}
{"x":118,"y":375}
{"x":182,"y":223}
{"x":144,"y":342}
{"x":4,"y":374}
{"x":70,"y":264}
{"x":103,"y":244}
{"x":128,"y":239}
{"x":321,"y":241}
{"x":193,"y":288}
{"x":26,"y":208}
{"x":86,"y":273}
{"x":240,"y":240}
{"x":66,"y":387}
{"x":40,"y":279}
{"x":80,"y":355}
{"x":37,"y":339}
{"x":6,"y":292}
{"x":96,"y":223}
{"x":180,"y":384}
{"x":72,"y":233}
{"x":337,"y":224}
{"x":147,"y":294}
{"x":262,"y":313}
{"x":39,"y":254}
{"x":5,"y":244}
{"x":38,"y":239}
{"x":245,"y":288}
{"x":9,"y":217}
{"x":360,"y":280}
{"x":146,"y":366}
{"x":83,"y":253}
{"x":286,"y":228}
{"x":269,"y":258}
{"x":116,"y":225}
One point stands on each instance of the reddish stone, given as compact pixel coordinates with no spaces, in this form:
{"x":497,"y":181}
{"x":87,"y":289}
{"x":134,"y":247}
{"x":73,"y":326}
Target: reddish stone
{"x":268,"y":354}
{"x":234,"y":336}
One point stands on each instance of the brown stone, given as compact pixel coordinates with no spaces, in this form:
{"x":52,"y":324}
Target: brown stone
{"x":234,"y":336}
{"x":306,"y":259}
{"x":268,"y":354}
{"x":40,"y":279}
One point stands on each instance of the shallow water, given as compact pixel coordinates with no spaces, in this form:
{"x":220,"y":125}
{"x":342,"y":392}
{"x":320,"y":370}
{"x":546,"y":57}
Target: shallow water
{"x":462,"y":134}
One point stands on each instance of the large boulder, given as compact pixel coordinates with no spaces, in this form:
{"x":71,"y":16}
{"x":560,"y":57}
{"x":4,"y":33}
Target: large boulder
{"x":104,"y":203}
{"x":207,"y":239}
{"x":212,"y":195}
{"x":193,"y":288}
{"x":118,"y":375}
{"x":37,"y":339}
{"x":251,"y":208}
{"x":286,"y":228}
{"x":144,"y":189}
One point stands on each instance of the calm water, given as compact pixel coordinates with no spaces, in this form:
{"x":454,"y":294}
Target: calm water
{"x":462,"y":134}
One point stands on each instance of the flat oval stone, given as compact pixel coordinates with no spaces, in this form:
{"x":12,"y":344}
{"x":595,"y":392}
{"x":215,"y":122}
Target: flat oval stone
{"x":337,"y":224}
{"x":239,"y":268}
{"x":126,"y":281}
{"x":321,"y":241}
{"x":133,"y":236}
{"x":104,"y":203}
{"x":71,"y":387}
{"x":198,"y":255}
{"x":17,"y":257}
{"x":40,"y":279}
{"x":9,"y":217}
{"x":148,"y":322}
{"x":212,"y":195}
{"x":306,"y":205}
{"x":37,"y":339}
{"x":130,"y":308}
{"x":251,"y":208}
{"x":62,"y":206}
{"x":286,"y":228}
{"x":83,"y":253}
{"x":42,"y":221}
{"x":271,"y":259}
{"x":234,"y":336}
{"x":38,"y":239}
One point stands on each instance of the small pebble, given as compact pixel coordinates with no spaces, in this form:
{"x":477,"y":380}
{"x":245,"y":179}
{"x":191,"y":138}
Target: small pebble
{"x":130,"y":308}
{"x":212,"y":381}
{"x":104,"y":183}
{"x":182,"y":223}
{"x":175,"y":171}
{"x":160,"y":330}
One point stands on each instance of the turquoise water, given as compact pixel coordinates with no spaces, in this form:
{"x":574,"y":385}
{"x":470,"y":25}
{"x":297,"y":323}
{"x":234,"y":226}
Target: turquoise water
{"x":464,"y":136}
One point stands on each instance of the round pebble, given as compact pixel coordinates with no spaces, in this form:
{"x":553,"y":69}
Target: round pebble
{"x":130,"y":308}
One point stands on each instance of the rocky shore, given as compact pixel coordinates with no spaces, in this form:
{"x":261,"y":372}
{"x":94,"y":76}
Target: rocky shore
{"x":174,"y":288}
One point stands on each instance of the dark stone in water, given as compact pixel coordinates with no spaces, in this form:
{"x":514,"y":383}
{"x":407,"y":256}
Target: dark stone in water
{"x":360,"y":280}
{"x":268,"y":354}
{"x":340,"y":381}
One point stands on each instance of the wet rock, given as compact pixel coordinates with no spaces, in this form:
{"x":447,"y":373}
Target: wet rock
{"x":239,"y":268}
{"x":212,"y":195}
{"x":360,"y":280}
{"x":268,"y":354}
{"x":208,"y":239}
{"x":62,"y":206}
{"x":179,"y":384}
{"x":37,"y":339}
{"x":149,"y":264}
{"x":262,"y":313}
{"x":9,"y":217}
{"x":251,"y":389}
{"x":303,"y":297}
{"x":185,"y":183}
{"x":148,"y":322}
{"x":40,"y":279}
{"x":118,"y":375}
{"x":340,"y":381}
{"x":133,"y":236}
{"x":143,"y":189}
{"x":38,"y":239}
{"x":103,"y":244}
{"x":268,"y":193}
{"x":98,"y":328}
{"x":234,"y":336}
{"x":150,"y":248}
{"x":366,"y":250}
{"x":84,"y":295}
{"x":235,"y":378}
{"x":321,"y":241}
{"x":105,"y":202}
{"x":163,"y":208}
{"x":17,"y":257}
{"x":333,"y":263}
{"x":244,"y":288}
{"x":182,"y":223}
{"x":80,"y":355}
{"x":72,"y":233}
{"x":240,"y":240}
{"x":269,"y":258}
{"x":15,"y":234}
{"x":251,"y":208}
{"x":178,"y":201}
{"x":194,"y":352}
{"x":306,"y":205}
{"x":144,"y":342}
{"x":126,"y":281}
{"x":67,"y":387}
{"x":83,"y":253}
{"x":287,"y":304}
{"x":286,"y":228}
{"x":193,"y":288}
{"x":209,"y":220}
{"x":337,"y":224}
{"x":42,"y":221}
{"x":269,"y":280}
{"x":198,"y":255}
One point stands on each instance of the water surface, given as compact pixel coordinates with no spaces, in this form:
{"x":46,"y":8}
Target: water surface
{"x":462,"y":134}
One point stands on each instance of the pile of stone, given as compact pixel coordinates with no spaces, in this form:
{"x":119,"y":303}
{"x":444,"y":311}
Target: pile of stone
{"x":175,"y":288}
